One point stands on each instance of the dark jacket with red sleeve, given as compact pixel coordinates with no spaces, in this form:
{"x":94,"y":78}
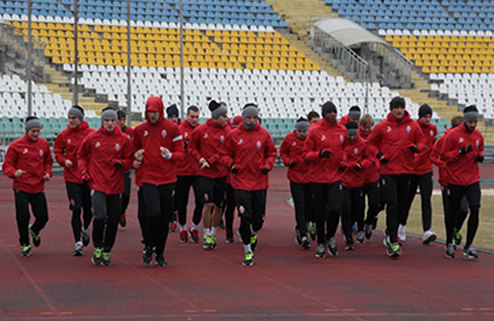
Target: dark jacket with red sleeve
{"x":393,"y":139}
{"x":291,"y":152}
{"x":206,"y":143}
{"x":189,"y":165}
{"x":331,"y":137}
{"x":97,"y":156}
{"x":251,"y":151}
{"x":423,"y":164}
{"x":66,"y":146}
{"x":156,"y":169}
{"x":31,"y":156}
{"x":464,"y":169}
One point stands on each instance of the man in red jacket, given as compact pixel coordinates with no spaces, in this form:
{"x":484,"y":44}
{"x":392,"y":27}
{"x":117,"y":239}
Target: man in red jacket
{"x":291,"y":154}
{"x":250,"y":154}
{"x":422,"y":178}
{"x":103,"y":158}
{"x":187,"y":177}
{"x":462,"y":151}
{"x":157,"y":146}
{"x":398,"y":138}
{"x":444,"y":175}
{"x":28,"y":162}
{"x":205,"y":146}
{"x":129,"y":131}
{"x":66,"y":146}
{"x":356,"y":157}
{"x":323,"y":149}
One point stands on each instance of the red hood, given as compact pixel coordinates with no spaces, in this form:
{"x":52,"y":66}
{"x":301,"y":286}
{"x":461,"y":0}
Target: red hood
{"x":155,"y":104}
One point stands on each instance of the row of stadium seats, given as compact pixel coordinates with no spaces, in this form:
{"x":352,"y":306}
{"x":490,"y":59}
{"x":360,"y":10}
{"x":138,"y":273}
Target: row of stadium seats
{"x":237,"y":13}
{"x":426,"y":14}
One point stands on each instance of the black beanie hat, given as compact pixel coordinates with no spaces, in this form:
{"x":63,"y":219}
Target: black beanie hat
{"x":397,"y":102}
{"x":328,"y":107}
{"x":352,"y":128}
{"x":121,"y":114}
{"x":172,"y":110}
{"x":354,"y":112}
{"x":470,"y":113}
{"x":216,"y":109}
{"x":425,"y":110}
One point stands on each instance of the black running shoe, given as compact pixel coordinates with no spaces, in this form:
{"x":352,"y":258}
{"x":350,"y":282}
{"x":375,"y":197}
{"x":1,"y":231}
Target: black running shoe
{"x":470,"y":252}
{"x":450,"y":251}
{"x":36,"y":237}
{"x":147,"y":257}
{"x":161,"y":261}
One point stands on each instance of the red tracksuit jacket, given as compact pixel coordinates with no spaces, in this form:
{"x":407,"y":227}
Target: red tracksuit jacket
{"x":251,"y":151}
{"x":325,"y":136}
{"x":66,"y":146}
{"x":291,"y":151}
{"x":188,"y":166}
{"x":464,"y":169}
{"x":206,"y":142}
{"x":371,"y":173}
{"x":34,"y":158}
{"x":423,"y":164}
{"x":97,"y":156}
{"x":129,"y":131}
{"x":435,"y":157}
{"x":393,"y":138}
{"x":155,"y":169}
{"x":356,"y":152}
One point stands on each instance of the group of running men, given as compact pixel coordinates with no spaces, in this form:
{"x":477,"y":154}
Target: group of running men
{"x":332,"y":166}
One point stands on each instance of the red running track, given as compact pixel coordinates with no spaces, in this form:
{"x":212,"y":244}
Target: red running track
{"x":285,"y":283}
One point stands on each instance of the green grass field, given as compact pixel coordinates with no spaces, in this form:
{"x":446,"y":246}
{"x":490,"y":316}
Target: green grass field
{"x":484,"y":238}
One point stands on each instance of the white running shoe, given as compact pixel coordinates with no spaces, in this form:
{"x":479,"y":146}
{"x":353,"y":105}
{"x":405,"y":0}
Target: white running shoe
{"x":429,"y":237}
{"x":402,"y":233}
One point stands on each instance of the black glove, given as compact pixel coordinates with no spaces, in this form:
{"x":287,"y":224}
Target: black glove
{"x":465,"y":150}
{"x":86,"y":178}
{"x":233,"y":168}
{"x":186,"y":143}
{"x":381,"y":158}
{"x":342,"y":168}
{"x":357,"y":167}
{"x":324,"y":154}
{"x":265,"y":171}
{"x":479,"y":159}
{"x":292,"y":165}
{"x":118,"y":165}
{"x":414,"y":149}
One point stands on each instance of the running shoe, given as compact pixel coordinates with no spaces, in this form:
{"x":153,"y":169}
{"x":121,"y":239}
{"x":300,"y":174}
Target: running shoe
{"x":161,"y":261}
{"x":36,"y":237}
{"x":402,"y":233}
{"x":253,"y":242}
{"x":147,"y":257}
{"x":229,"y":237}
{"x":450,"y":251}
{"x":361,"y":237}
{"x":106,"y":259}
{"x":298,"y":236}
{"x":248,"y":259}
{"x":221,"y":225}
{"x":349,"y":246}
{"x":428,"y":237}
{"x":457,"y":238}
{"x":394,"y":250}
{"x":184,"y":237}
{"x":305,"y":242}
{"x":194,"y":235}
{"x":173,"y":226}
{"x":26,"y":250}
{"x":332,"y":249}
{"x":97,"y":258}
{"x":470,"y":252}
{"x":123,"y":220}
{"x":207,"y":242}
{"x":212,"y":242}
{"x":85,"y":237}
{"x":368,"y":231}
{"x":312,"y":231}
{"x":321,"y":250}
{"x":78,"y":249}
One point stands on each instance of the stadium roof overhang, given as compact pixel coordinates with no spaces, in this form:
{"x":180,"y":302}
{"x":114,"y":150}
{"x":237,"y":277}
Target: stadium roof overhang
{"x":347,"y":32}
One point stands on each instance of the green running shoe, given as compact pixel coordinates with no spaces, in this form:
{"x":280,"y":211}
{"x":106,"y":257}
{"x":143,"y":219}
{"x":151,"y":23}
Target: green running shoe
{"x":26,"y":250}
{"x":253,"y":242}
{"x":106,"y":259}
{"x":97,"y":258}
{"x":249,"y":259}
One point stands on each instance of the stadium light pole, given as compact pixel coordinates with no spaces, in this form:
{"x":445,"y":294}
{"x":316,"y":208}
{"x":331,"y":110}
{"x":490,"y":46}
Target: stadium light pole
{"x":182,"y":106}
{"x":129,"y":65}
{"x":75,"y":94}
{"x":29,"y":61}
